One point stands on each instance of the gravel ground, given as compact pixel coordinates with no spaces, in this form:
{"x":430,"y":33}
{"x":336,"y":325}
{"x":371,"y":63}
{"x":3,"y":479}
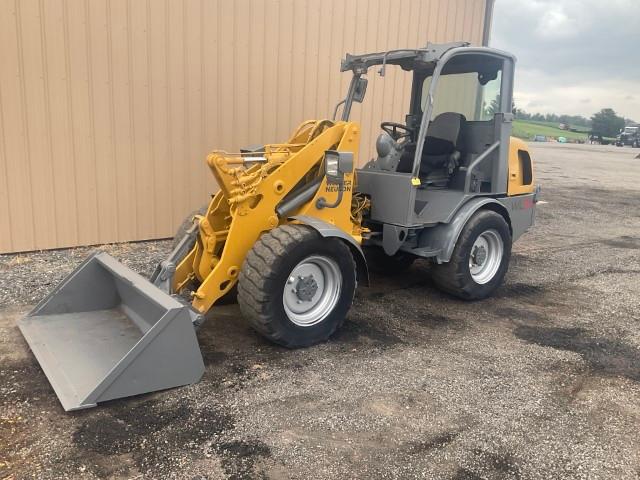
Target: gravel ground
{"x":27,"y":277}
{"x":541,"y":381}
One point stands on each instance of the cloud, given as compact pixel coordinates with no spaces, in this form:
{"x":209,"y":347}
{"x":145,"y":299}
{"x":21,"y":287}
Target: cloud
{"x":556,"y":23}
{"x":570,"y":51}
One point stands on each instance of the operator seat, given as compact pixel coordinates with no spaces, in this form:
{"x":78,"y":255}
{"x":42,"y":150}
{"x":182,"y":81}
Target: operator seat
{"x":441,"y":152}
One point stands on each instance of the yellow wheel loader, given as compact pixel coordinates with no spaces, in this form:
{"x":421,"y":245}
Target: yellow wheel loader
{"x":293,"y":224}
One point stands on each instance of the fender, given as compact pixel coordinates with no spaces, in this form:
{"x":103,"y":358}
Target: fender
{"x":327,"y":230}
{"x":442,"y":238}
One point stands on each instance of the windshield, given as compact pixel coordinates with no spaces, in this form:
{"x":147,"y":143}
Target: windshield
{"x":630,"y":130}
{"x":469,"y":84}
{"x":463,"y":93}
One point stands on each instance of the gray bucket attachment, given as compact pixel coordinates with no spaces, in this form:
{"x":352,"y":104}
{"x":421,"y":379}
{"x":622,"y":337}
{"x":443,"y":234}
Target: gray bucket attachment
{"x":105,"y":332}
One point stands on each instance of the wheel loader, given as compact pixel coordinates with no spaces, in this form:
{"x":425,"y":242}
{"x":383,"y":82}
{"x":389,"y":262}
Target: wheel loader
{"x":293,"y":225}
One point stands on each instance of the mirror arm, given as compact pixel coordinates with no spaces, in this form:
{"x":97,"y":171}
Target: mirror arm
{"x":322,"y":202}
{"x":335,"y":111}
{"x":346,"y":111}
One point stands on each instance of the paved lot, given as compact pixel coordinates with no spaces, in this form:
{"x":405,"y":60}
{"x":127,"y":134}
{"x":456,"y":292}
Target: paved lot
{"x":542,"y":381}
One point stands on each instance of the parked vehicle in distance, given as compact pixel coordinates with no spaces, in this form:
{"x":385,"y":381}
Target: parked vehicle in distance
{"x":629,"y":136}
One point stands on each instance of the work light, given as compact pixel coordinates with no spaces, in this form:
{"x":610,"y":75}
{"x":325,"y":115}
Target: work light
{"x":336,"y":164}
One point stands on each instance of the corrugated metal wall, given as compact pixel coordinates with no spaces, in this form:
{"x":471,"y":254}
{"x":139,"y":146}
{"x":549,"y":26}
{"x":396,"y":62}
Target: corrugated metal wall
{"x":108,"y":107}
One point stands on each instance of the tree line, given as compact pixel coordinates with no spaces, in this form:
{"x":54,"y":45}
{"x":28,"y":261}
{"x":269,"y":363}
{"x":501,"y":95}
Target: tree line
{"x":577,"y":120}
{"x":605,"y":123}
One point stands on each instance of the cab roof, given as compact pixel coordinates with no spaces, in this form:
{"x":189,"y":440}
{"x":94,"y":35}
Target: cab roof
{"x":412,"y":59}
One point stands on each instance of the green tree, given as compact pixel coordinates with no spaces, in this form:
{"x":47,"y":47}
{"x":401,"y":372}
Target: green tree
{"x":494,"y":107}
{"x":606,"y":123}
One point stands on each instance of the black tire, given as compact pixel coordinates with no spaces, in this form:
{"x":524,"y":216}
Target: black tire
{"x":380,"y":262}
{"x":231,"y":296}
{"x":186,"y":225}
{"x":454,"y":277}
{"x":264,"y":277}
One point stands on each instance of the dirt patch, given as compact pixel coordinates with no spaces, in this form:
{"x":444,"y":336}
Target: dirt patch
{"x":239,"y":457}
{"x":212,"y":357}
{"x":437,"y":441}
{"x":486,"y":464}
{"x":624,"y":241}
{"x":466,"y":474}
{"x":359,"y":333}
{"x":500,"y":463}
{"x":521,"y":291}
{"x":604,"y":355}
{"x":149,"y":430}
{"x":436,"y":321}
{"x":23,"y":381}
{"x":520,"y":313}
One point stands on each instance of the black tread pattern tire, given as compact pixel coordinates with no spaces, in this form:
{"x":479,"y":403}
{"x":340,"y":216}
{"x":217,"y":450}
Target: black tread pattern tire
{"x":186,"y":225}
{"x":263,"y":277}
{"x":454,"y":277}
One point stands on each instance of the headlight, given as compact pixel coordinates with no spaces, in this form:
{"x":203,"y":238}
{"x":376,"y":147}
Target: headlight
{"x":336,"y":164}
{"x":331,"y":162}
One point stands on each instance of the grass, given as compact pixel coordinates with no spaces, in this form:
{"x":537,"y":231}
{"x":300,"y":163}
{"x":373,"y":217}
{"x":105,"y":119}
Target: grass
{"x":527,"y":129}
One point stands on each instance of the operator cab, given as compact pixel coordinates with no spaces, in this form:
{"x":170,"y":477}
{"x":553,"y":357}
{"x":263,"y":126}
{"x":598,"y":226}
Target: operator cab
{"x":454,"y":142}
{"x":467,"y":98}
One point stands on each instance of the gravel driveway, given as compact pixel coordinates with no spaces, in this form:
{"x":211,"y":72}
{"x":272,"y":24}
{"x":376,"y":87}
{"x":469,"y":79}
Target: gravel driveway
{"x":542,"y":381}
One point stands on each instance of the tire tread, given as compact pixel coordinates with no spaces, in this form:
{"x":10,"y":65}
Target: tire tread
{"x":258,"y":269}
{"x":451,"y":277}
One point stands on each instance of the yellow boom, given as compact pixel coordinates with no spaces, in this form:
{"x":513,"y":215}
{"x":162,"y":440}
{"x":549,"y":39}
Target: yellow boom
{"x":251,"y":186}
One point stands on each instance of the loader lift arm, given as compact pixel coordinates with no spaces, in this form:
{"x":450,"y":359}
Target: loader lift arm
{"x":246,"y":205}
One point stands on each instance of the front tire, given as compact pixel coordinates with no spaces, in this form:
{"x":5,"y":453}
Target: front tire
{"x":186,"y":225}
{"x":296,"y":287}
{"x":480,"y":259}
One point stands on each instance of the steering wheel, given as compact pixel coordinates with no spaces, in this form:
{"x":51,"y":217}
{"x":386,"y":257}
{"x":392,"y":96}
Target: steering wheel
{"x":397,"y":131}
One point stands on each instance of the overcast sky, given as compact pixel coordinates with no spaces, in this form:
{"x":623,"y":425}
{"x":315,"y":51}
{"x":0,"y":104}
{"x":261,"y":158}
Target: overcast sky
{"x":574,"y":56}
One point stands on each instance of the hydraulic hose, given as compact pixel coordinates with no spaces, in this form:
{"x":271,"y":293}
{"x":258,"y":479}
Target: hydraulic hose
{"x":297,"y":198}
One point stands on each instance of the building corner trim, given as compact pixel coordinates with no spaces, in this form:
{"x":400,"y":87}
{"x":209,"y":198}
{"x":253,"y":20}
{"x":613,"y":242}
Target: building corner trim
{"x":488,"y":20}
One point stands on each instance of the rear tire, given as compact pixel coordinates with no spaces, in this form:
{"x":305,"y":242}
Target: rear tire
{"x":480,"y":259}
{"x":296,"y":287}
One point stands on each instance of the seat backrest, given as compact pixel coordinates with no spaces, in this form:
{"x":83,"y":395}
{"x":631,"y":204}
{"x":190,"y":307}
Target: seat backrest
{"x":444,"y":133}
{"x":442,"y":139}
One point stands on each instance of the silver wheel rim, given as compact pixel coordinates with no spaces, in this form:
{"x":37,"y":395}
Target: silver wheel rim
{"x":312,"y":290}
{"x":486,"y":256}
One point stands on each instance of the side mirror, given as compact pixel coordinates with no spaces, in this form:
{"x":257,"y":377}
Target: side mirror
{"x":360,"y":90}
{"x":336,"y":164}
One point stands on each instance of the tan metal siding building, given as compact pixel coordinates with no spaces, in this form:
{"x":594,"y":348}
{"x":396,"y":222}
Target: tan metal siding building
{"x":108,"y":107}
